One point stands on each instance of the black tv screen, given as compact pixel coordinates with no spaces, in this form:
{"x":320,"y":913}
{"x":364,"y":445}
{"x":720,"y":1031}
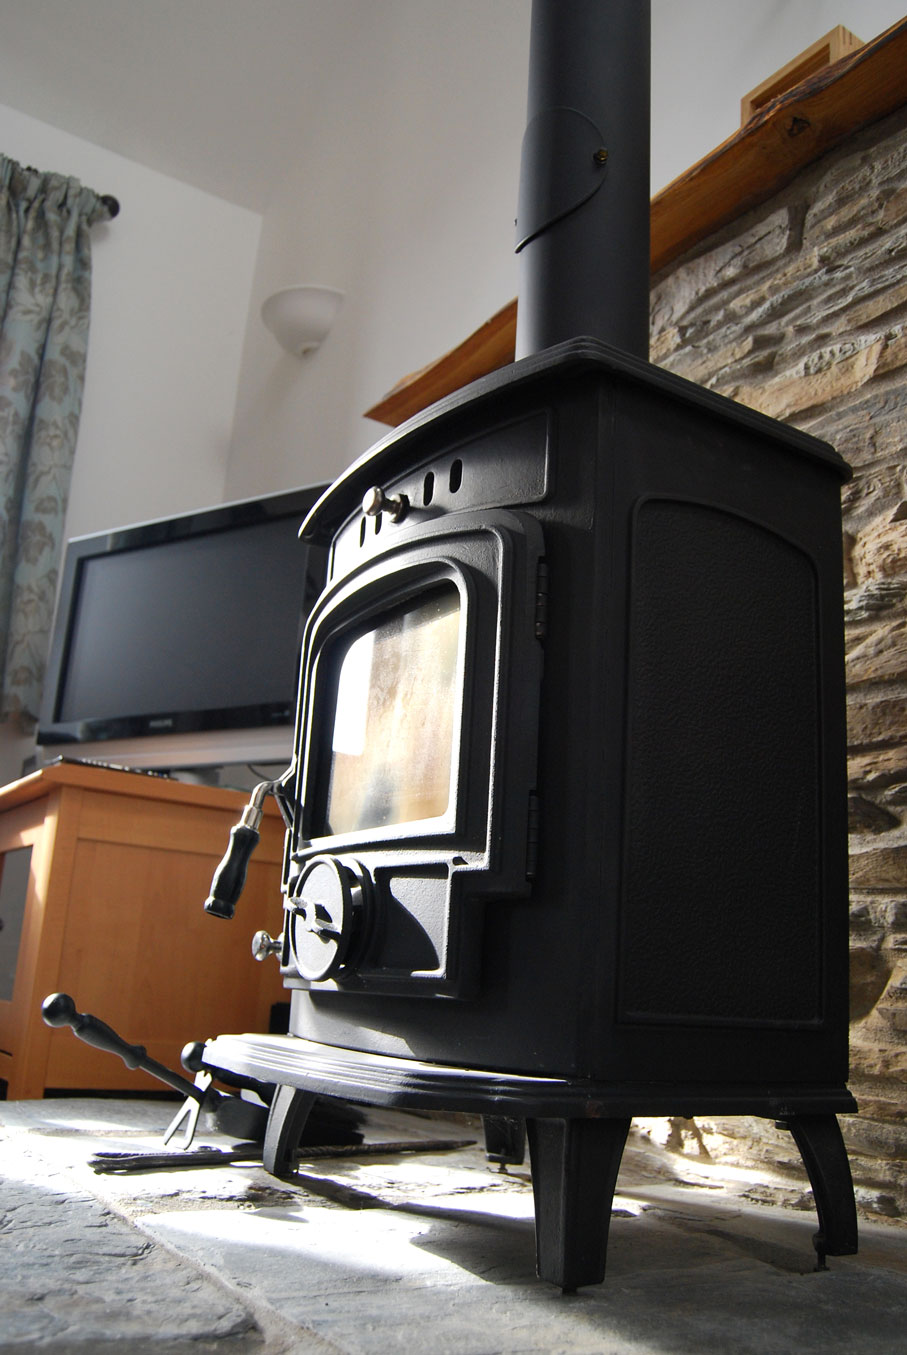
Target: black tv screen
{"x":188,"y":624}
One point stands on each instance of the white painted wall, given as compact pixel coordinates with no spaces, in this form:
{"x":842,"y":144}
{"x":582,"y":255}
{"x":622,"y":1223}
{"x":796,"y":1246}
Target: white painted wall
{"x":171,"y":280}
{"x":170,"y":287}
{"x":403,"y":195}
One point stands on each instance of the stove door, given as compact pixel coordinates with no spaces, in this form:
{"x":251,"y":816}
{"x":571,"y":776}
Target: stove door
{"x":416,"y":752}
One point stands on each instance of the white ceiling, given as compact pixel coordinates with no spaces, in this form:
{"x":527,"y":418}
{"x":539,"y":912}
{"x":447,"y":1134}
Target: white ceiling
{"x":223,"y":94}
{"x":213,"y":92}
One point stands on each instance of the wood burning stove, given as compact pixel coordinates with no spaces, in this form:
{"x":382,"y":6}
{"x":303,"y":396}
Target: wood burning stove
{"x":567,"y":836}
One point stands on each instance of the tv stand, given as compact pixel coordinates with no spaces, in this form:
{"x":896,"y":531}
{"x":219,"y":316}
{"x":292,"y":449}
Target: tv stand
{"x":103,"y":874}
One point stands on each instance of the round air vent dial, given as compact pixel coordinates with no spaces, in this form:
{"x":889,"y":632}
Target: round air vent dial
{"x":325,"y":913}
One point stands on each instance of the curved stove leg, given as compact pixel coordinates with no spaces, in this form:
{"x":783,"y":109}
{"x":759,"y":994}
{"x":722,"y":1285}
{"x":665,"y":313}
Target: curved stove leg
{"x":286,"y":1120}
{"x":574,"y":1171}
{"x":821,"y":1146}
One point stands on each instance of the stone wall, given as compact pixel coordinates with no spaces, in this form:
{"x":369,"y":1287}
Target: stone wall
{"x":799,"y":309}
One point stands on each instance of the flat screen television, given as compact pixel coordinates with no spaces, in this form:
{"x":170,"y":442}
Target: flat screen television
{"x":176,"y":642}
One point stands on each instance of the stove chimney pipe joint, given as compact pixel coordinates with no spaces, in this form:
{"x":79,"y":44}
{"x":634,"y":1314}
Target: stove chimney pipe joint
{"x":563,"y":163}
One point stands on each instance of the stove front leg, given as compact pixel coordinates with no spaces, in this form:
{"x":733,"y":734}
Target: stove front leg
{"x":574,"y":1172}
{"x":821,"y":1146}
{"x":286,"y":1120}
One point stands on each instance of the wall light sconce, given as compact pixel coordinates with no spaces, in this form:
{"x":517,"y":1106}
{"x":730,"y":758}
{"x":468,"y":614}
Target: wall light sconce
{"x":300,"y":317}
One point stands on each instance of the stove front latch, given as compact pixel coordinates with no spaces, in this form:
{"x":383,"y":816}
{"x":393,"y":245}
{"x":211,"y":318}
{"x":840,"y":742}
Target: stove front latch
{"x":326,"y":915}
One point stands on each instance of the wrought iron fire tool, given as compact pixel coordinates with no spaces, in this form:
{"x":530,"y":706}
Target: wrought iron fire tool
{"x":231,"y":1114}
{"x":127,"y":1163}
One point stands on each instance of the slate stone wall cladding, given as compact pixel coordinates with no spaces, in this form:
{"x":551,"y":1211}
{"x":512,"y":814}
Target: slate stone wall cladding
{"x":799,"y":309}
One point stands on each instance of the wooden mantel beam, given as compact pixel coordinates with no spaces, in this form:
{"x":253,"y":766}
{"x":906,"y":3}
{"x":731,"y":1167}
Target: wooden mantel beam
{"x":779,"y":141}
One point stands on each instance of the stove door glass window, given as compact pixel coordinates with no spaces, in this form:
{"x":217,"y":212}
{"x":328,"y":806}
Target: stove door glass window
{"x":395,"y":716}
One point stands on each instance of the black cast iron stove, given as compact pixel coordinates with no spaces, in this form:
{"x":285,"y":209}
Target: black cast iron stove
{"x":568,"y":835}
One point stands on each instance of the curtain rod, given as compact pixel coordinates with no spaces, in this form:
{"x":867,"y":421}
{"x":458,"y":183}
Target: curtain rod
{"x":110,"y":202}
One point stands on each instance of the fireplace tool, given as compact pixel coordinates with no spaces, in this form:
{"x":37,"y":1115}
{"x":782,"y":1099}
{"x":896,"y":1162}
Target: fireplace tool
{"x":567,"y":830}
{"x":335,"y":1126}
{"x":333,"y":1130}
{"x":229,"y":1113}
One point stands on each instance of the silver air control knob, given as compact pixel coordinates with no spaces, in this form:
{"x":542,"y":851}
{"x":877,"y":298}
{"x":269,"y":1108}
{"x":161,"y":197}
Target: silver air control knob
{"x":264,"y":945}
{"x":323,"y":916}
{"x":375,"y":501}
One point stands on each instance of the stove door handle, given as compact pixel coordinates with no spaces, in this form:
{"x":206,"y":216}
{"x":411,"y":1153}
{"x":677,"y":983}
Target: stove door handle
{"x":230,"y":876}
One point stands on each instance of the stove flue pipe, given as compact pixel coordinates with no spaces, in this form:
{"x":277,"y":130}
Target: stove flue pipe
{"x":583,"y":215}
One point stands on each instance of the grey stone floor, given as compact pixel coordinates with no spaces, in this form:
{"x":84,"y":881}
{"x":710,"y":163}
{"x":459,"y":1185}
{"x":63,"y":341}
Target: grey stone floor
{"x":424,"y":1252}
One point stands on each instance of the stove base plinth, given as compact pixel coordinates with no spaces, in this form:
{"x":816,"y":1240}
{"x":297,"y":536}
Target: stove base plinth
{"x":576,"y":1130}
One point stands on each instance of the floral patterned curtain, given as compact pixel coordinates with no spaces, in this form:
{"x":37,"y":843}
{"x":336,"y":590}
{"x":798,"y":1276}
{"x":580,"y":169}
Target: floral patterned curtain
{"x":45,"y":289}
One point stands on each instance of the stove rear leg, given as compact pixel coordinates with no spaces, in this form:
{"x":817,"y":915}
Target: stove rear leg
{"x":574,"y":1171}
{"x":286,"y":1120}
{"x":821,"y":1146}
{"x":505,"y":1139}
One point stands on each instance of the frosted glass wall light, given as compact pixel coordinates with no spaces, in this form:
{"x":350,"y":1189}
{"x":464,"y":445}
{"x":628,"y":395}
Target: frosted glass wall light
{"x":300,"y":317}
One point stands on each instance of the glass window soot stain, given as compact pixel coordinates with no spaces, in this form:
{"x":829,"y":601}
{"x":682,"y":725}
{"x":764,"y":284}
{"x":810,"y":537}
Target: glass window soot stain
{"x":394,"y":717}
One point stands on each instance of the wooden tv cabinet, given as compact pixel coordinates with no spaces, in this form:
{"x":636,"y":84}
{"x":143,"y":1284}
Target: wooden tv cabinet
{"x":111,"y":869}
